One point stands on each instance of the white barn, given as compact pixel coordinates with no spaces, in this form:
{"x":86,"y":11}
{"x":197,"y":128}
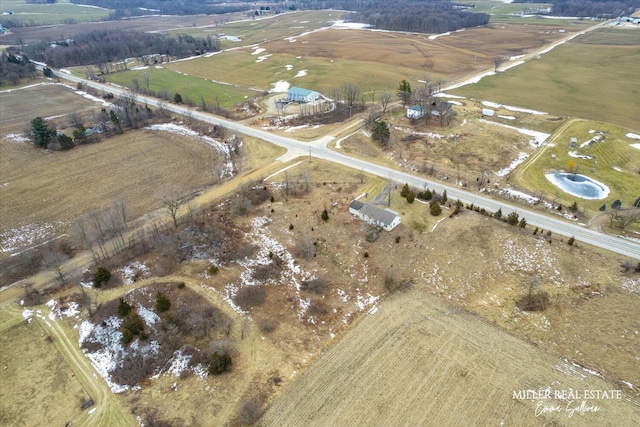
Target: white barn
{"x":385,"y":218}
{"x":298,"y":94}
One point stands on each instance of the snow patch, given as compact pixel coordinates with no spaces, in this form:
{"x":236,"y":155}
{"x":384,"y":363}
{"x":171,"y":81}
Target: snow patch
{"x":280,"y":86}
{"x":26,"y":235}
{"x":129,"y":272}
{"x":72,"y":310}
{"x":632,"y":135}
{"x":301,"y":73}
{"x":512,"y":108}
{"x":19,"y":138}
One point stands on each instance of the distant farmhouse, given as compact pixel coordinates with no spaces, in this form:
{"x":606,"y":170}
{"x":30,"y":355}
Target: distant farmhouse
{"x":298,"y":94}
{"x":440,"y":110}
{"x":385,"y":218}
{"x":415,"y":112}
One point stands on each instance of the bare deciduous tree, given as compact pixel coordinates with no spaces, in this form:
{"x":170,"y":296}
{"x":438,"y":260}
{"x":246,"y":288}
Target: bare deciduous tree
{"x":497,"y":62}
{"x":171,"y":198}
{"x":385,"y":100}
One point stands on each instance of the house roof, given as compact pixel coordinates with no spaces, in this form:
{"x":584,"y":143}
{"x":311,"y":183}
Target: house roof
{"x":415,"y":108}
{"x":299,"y":91}
{"x":385,"y":216}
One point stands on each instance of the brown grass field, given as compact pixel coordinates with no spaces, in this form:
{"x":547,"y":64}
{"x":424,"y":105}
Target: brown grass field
{"x":19,"y":106}
{"x":134,"y":165}
{"x":587,"y":321}
{"x":337,"y":56}
{"x":419,"y":361}
{"x":38,"y":387}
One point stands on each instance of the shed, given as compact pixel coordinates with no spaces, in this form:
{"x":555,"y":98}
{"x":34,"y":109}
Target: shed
{"x":298,"y":94}
{"x":487,"y":112}
{"x":371,"y":214}
{"x":573,"y":142}
{"x":415,"y":112}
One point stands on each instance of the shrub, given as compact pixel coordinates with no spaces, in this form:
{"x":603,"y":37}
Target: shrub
{"x":250,"y":296}
{"x":444,"y":196}
{"x":435,"y":209}
{"x":397,"y":239}
{"x":219,"y":363}
{"x":325,"y":215}
{"x":267,"y":327}
{"x":405,"y":191}
{"x":162,"y":302}
{"x":571,"y":241}
{"x":250,"y":411}
{"x":213,"y":270}
{"x":316,"y":285}
{"x":411,"y":196}
{"x":290,"y":226}
{"x":101,"y":277}
{"x":366,"y":254}
{"x":512,"y":218}
{"x":574,"y":207}
{"x":522,"y":223}
{"x":498,"y":214}
{"x":425,"y":195}
{"x":123,"y":308}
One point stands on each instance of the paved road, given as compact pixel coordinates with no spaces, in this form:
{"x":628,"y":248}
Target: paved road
{"x":318,"y":149}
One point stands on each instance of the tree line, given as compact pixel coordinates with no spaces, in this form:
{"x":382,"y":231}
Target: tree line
{"x":591,"y":8}
{"x":13,"y":68}
{"x":130,"y":8}
{"x":424,"y":16}
{"x":107,"y":46}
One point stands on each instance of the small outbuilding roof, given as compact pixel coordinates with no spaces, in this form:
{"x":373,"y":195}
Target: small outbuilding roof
{"x":415,"y":108}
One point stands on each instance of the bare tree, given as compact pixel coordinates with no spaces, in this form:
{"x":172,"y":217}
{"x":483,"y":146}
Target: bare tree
{"x":121,"y":208}
{"x":146,"y":82}
{"x":497,"y":62}
{"x":623,"y":218}
{"x":351,"y":94}
{"x":171,"y":198}
{"x":55,"y":260}
{"x":385,"y":99}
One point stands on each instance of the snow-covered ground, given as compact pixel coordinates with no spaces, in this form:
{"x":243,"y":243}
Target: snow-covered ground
{"x":633,"y":135}
{"x":25,"y":236}
{"x":133,"y":271}
{"x":538,"y":137}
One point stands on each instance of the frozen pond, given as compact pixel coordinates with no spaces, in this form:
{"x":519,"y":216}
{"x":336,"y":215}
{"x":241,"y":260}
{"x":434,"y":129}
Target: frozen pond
{"x":578,"y":185}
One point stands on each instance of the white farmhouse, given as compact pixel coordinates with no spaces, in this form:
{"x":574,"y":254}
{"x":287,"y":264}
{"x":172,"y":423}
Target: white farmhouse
{"x":415,"y":112}
{"x":385,"y":218}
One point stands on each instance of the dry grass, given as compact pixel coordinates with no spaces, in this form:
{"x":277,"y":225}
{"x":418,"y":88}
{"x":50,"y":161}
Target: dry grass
{"x":57,"y":187}
{"x":599,"y":84}
{"x":374,"y":60}
{"x":418,"y":361}
{"x":19,"y":106}
{"x":38,"y":388}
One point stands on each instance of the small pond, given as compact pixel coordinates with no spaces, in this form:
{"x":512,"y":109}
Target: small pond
{"x":578,"y":185}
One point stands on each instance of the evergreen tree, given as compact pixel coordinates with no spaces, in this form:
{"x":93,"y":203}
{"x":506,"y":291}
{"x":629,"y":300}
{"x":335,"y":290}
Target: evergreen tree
{"x":404,"y":92}
{"x":41,"y":132}
{"x":162,"y":302}
{"x":381,"y":133}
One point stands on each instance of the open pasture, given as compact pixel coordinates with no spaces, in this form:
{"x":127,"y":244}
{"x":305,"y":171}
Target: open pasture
{"x":251,"y":31}
{"x":189,"y":87}
{"x":596,"y":80}
{"x":613,"y":161}
{"x":59,"y":12}
{"x":38,"y":387}
{"x":57,"y":187}
{"x":19,"y":106}
{"x":418,"y":361}
{"x":373,"y":60}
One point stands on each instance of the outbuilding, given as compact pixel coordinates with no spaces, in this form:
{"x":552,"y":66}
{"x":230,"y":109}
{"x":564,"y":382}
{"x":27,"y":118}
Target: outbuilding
{"x":298,"y":94}
{"x":371,"y":214}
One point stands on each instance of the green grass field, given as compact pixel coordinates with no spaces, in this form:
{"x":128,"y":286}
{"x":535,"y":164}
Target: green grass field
{"x":61,"y":11}
{"x":189,"y":87}
{"x":595,"y":80}
{"x":323,"y":74}
{"x":613,"y":162}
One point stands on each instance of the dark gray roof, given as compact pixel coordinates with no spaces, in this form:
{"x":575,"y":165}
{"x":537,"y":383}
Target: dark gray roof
{"x":385,"y":216}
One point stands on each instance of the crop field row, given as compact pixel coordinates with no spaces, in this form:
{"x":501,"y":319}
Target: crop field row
{"x":411,"y":363}
{"x":574,"y":80}
{"x":19,"y":106}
